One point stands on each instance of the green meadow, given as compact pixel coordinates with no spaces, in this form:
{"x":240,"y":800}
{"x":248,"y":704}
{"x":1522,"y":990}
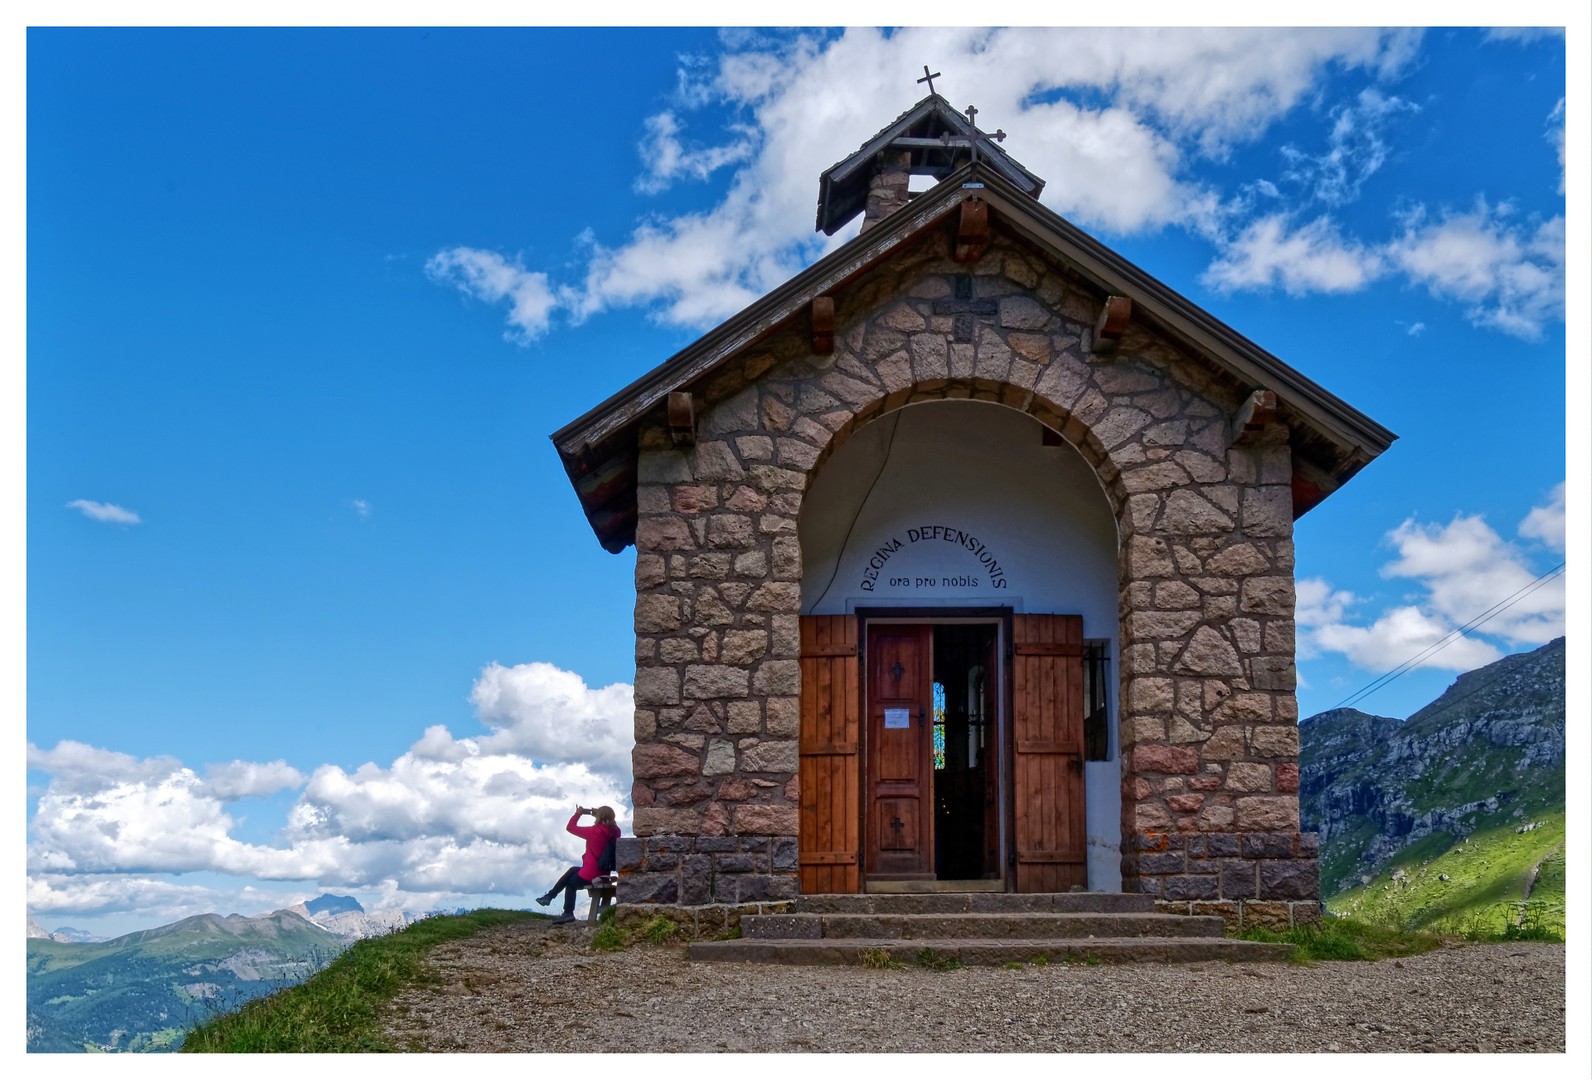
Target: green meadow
{"x":1497,"y":882}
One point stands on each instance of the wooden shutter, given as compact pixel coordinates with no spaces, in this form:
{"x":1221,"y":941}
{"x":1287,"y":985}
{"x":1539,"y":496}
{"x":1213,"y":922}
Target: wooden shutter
{"x":1047,"y":762}
{"x":831,"y":713}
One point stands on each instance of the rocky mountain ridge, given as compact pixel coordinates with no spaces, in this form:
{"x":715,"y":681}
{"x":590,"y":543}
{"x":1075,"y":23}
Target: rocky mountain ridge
{"x":1488,"y":751}
{"x":344,"y":916}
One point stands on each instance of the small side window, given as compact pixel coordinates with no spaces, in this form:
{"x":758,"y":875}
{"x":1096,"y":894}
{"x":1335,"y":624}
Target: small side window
{"x":1096,"y":711}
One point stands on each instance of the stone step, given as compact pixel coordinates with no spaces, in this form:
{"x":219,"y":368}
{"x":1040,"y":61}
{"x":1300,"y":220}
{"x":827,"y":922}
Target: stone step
{"x":896,"y":885}
{"x":971,"y":903}
{"x":1031,"y":925}
{"x":969,"y":951}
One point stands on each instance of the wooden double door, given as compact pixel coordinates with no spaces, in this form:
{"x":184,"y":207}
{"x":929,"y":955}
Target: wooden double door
{"x":924,"y":757}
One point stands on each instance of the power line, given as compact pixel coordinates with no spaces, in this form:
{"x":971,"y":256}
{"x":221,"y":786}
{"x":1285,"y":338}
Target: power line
{"x":1449,"y":638}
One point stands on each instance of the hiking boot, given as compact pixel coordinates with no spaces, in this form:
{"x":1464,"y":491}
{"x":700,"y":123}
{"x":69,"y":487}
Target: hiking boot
{"x":567,"y":917}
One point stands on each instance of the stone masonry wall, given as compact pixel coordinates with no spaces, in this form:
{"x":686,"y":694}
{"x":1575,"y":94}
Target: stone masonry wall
{"x":1207,"y":708}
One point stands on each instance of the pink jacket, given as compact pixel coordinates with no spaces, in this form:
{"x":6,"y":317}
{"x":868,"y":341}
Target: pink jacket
{"x":596,"y":837}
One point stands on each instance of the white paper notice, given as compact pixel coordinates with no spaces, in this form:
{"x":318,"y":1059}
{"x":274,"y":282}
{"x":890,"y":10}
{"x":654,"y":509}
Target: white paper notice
{"x":897,"y":718}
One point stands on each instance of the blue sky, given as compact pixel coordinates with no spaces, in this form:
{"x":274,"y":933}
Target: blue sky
{"x":310,"y":603}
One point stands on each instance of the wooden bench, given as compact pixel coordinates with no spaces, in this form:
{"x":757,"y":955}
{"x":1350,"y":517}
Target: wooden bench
{"x":602,"y":891}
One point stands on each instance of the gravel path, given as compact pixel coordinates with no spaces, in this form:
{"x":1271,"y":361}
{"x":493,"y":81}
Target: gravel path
{"x":519,"y":989}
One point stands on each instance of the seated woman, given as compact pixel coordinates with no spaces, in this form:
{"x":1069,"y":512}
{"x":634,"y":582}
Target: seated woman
{"x":597,"y":835}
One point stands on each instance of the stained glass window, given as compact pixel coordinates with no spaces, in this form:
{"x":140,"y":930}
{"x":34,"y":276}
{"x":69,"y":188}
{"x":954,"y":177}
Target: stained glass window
{"x":939,"y":725}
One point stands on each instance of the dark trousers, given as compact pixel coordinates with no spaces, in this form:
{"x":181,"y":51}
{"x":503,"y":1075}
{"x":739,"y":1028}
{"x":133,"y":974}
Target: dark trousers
{"x":569,"y":885}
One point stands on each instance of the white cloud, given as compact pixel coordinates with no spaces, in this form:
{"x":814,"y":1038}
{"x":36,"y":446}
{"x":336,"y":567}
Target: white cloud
{"x":1111,"y":117}
{"x":242,"y":779}
{"x":1312,"y":258}
{"x":160,"y":821}
{"x":666,"y":158}
{"x":109,"y":512}
{"x":158,"y":900}
{"x":1556,"y":137}
{"x":1523,"y":34}
{"x":1356,"y":148}
{"x":488,"y":276}
{"x":1463,"y":570}
{"x":362,"y":508}
{"x":450,"y":821}
{"x":1467,"y":569}
{"x":1317,"y":603}
{"x":1546,"y":523}
{"x":550,"y":714}
{"x":1401,"y":634}
{"x":1510,"y":275}
{"x":78,"y":767}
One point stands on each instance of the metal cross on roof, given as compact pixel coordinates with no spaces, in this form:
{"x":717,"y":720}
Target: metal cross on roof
{"x":972,"y":112}
{"x":927,"y":78}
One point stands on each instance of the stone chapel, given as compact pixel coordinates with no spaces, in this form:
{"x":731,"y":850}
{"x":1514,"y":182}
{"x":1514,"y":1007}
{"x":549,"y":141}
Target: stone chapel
{"x":964,"y":560}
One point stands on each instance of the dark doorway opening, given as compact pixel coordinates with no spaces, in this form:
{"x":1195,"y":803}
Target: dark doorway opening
{"x":965,"y":758}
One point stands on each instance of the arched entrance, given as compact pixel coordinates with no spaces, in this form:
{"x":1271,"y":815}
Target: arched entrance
{"x":959,"y":600}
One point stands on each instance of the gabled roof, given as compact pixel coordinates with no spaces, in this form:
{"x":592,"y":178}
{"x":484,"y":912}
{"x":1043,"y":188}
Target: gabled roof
{"x":940,"y":140}
{"x":1331,"y":440}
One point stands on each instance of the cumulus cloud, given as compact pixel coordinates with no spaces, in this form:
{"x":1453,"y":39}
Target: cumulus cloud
{"x":1403,"y":632}
{"x":108,"y":512}
{"x":1510,"y":275}
{"x":1546,"y":522}
{"x":1312,"y":258}
{"x":488,"y":276}
{"x":448,"y":820}
{"x":1464,"y":570}
{"x":156,"y":899}
{"x":362,"y":508}
{"x":77,"y":767}
{"x":1317,"y":603}
{"x":242,"y":779}
{"x":156,"y":819}
{"x":1111,"y":117}
{"x":1467,"y":569}
{"x":550,"y":714}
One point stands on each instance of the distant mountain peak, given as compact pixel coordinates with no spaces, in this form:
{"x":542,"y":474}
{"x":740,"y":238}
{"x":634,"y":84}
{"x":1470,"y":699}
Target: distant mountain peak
{"x":328,"y":904}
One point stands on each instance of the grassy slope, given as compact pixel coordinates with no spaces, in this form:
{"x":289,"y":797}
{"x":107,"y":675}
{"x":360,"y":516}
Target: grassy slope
{"x":1488,"y":875}
{"x":138,"y":992}
{"x":335,"y":1011}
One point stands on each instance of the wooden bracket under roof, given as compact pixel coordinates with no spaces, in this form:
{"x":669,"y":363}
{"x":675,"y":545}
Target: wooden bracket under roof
{"x":1111,"y":322}
{"x":1258,"y":410}
{"x":682,"y":418}
{"x":972,"y":230}
{"x":823,"y":315}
